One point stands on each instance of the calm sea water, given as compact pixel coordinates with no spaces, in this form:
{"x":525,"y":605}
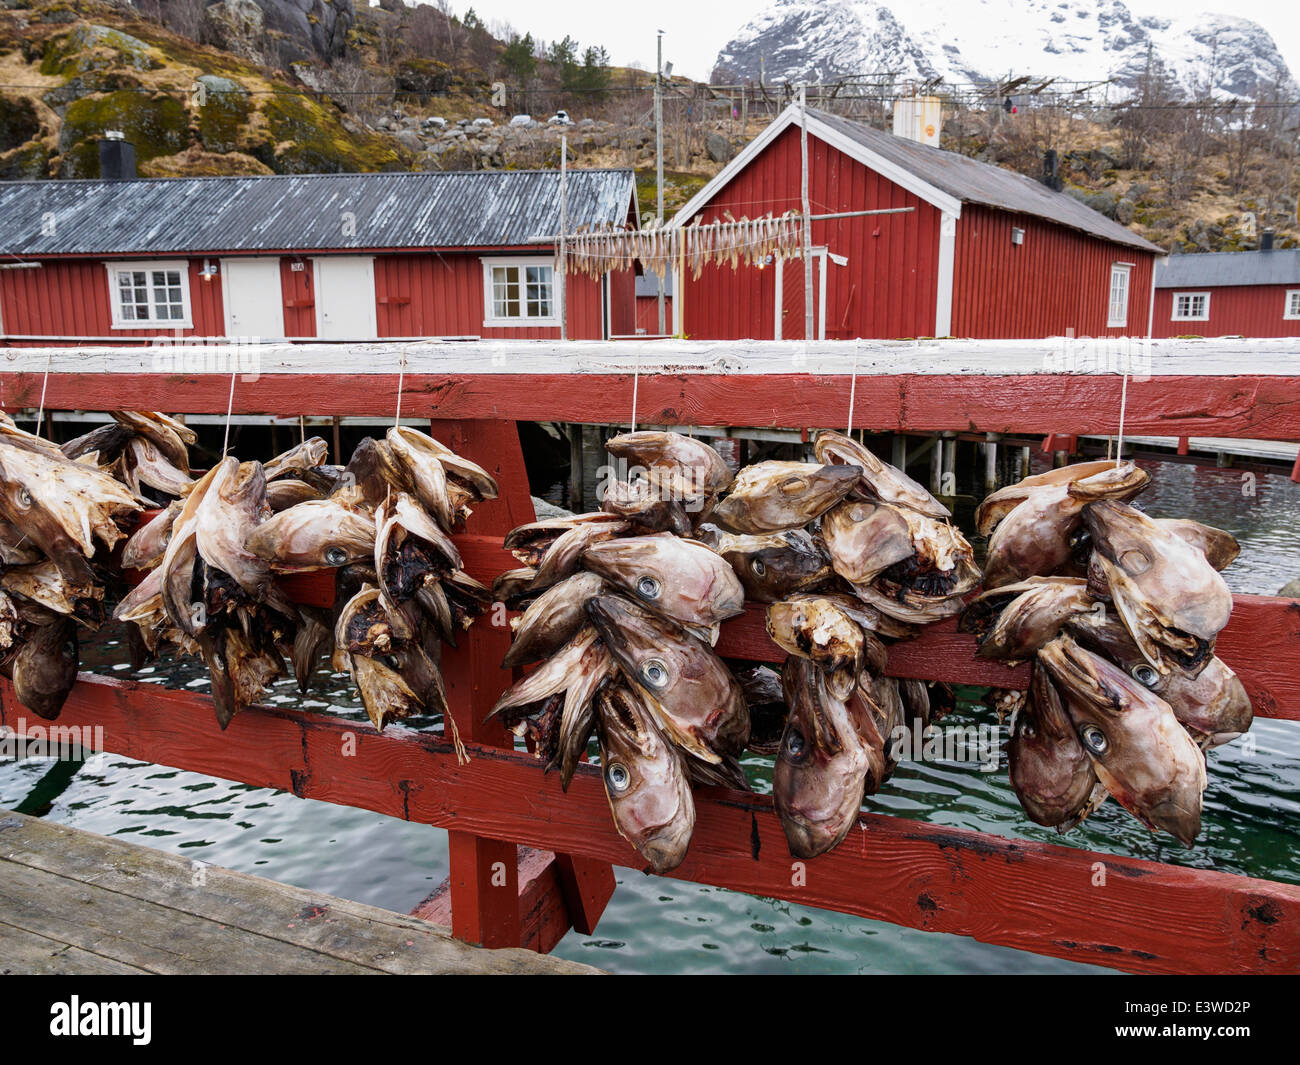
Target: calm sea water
{"x":655,"y":924}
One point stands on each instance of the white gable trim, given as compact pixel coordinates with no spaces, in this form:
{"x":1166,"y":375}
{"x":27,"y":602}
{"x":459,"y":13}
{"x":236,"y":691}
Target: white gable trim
{"x":790,"y":117}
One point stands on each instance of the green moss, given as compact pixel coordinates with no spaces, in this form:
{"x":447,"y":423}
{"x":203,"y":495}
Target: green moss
{"x":156,"y":125}
{"x":93,"y":47}
{"x":225,"y":108}
{"x":309,"y":139}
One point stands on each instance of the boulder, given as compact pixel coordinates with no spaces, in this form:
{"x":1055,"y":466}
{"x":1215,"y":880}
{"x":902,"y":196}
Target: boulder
{"x":410,"y":140}
{"x":19,"y":122}
{"x":239,"y":27}
{"x":718,"y":147}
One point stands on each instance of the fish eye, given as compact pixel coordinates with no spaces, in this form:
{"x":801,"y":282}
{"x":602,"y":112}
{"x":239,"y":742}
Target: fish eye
{"x":618,"y":776}
{"x":795,"y":744}
{"x":1027,"y":729}
{"x":858,"y":513}
{"x":655,"y":673}
{"x":335,"y":556}
{"x":1146,"y":675}
{"x":792,"y":486}
{"x":1134,"y":562}
{"x":1094,"y":739}
{"x":757,"y":566}
{"x":24,"y":498}
{"x":648,"y":588}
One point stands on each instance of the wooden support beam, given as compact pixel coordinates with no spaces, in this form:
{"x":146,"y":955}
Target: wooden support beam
{"x":1245,"y":406}
{"x":1032,"y":896}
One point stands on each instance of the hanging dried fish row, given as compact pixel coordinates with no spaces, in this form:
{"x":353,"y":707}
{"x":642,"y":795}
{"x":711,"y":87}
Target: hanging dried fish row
{"x":850,"y":554}
{"x":61,"y":511}
{"x":1118,"y":614}
{"x":731,"y":242}
{"x":621,"y":610}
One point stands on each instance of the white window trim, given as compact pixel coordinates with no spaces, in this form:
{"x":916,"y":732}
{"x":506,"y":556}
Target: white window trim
{"x":1174,"y":316}
{"x":115,"y":304}
{"x":1291,"y":294}
{"x":491,"y":321}
{"x":1127,"y":270}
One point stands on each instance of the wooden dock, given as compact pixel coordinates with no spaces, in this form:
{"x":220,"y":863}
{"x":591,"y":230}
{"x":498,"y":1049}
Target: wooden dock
{"x":73,"y":902}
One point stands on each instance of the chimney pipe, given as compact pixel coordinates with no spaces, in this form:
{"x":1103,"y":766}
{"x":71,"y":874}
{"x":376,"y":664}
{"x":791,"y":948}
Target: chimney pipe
{"x":116,"y":157}
{"x":1266,"y":240}
{"x":1051,"y":167}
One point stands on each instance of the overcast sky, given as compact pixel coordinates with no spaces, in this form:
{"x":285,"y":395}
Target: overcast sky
{"x":694,"y":30}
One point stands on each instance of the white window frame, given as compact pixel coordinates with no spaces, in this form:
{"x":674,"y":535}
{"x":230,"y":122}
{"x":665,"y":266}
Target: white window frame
{"x":524,"y":321}
{"x":1114,"y":321}
{"x":1174,"y":316}
{"x":1291,"y":307}
{"x":115,"y":303}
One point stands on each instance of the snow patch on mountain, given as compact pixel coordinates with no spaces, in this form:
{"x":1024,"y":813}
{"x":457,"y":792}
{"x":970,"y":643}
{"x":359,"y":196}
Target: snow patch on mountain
{"x":984,"y":40}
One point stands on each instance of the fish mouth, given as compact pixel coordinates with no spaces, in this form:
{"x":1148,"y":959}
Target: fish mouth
{"x":608,"y":615}
{"x":1181,"y":822}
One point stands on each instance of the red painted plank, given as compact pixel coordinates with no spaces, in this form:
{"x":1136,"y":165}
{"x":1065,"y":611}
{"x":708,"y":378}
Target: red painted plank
{"x":1261,"y":643}
{"x":1146,"y":918}
{"x":1246,"y":406}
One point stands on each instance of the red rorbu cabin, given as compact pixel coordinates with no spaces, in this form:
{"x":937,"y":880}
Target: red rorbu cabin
{"x":984,"y":252}
{"x":1234,"y":293}
{"x":329,"y":256}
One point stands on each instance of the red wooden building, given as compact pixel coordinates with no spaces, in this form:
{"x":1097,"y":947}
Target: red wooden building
{"x":983,"y":253}
{"x":332,"y":256}
{"x":1243,"y":293}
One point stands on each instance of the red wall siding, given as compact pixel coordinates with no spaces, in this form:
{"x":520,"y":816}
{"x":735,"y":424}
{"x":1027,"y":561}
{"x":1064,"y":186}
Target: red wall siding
{"x":1057,"y":280}
{"x":299,"y":291}
{"x":71,"y":298}
{"x":442,"y":295}
{"x":622,"y":302}
{"x":647,"y":314}
{"x":886,"y":290}
{"x":1235,"y":310}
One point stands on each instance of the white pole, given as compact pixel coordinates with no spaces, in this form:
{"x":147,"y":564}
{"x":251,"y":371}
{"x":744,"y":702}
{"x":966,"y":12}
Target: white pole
{"x":807,"y":220}
{"x":564,"y":225}
{"x":659,"y":169}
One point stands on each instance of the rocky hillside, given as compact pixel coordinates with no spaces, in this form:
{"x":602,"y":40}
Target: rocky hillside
{"x":302,"y":86}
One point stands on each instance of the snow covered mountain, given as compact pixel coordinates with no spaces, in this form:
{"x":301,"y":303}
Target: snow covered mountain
{"x":983,"y":40}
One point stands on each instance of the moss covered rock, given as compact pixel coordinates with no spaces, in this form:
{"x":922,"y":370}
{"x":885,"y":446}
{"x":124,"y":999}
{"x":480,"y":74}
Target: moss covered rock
{"x":156,"y":125}
{"x":19,"y":122}
{"x":93,"y":81}
{"x":94,"y":47}
{"x":26,"y":163}
{"x":422,"y":77}
{"x":305,"y":137}
{"x":195,"y":162}
{"x":223,"y":107}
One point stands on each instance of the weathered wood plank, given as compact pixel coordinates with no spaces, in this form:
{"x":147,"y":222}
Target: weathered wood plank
{"x":1032,"y":896}
{"x":147,"y":935}
{"x":179,"y":916}
{"x":24,"y":953}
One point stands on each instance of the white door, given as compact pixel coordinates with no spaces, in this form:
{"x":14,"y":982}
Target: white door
{"x":250,"y":289}
{"x":345,"y":297}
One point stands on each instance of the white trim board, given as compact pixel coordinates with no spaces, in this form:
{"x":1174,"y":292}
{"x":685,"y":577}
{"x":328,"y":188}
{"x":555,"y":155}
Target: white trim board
{"x":891,"y":171}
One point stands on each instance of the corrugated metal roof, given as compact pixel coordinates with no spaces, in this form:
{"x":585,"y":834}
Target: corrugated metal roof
{"x":311,"y":212}
{"x":647,"y":284}
{"x":972,"y":181}
{"x":1213,"y":269}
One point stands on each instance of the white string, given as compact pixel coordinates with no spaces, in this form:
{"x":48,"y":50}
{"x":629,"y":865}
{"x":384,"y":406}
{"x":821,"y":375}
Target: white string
{"x":230,"y":406}
{"x":853,"y":393}
{"x":1123,"y":404}
{"x":302,"y":430}
{"x":40,"y":413}
{"x":636,"y":379}
{"x":401,"y":376}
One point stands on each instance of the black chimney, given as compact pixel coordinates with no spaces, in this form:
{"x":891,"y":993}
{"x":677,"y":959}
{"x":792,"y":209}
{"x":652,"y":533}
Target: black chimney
{"x":116,"y":157}
{"x":1051,"y":166}
{"x":1266,"y":240}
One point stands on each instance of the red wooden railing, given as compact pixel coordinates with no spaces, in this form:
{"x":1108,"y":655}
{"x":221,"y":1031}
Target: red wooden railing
{"x":528,"y":861}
